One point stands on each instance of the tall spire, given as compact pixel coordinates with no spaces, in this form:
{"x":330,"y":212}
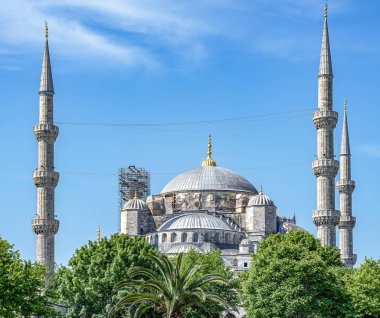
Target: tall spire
{"x":45,"y":225}
{"x":46,"y":83}
{"x":325,"y":167}
{"x":209,"y":162}
{"x":345,"y":187}
{"x":345,"y":146}
{"x":325,"y":65}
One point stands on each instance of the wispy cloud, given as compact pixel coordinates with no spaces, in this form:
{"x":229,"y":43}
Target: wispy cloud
{"x":372,"y":150}
{"x":139,"y":32}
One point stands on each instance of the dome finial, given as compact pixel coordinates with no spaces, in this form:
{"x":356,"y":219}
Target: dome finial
{"x":136,"y":196}
{"x":209,"y":162}
{"x":261,"y":189}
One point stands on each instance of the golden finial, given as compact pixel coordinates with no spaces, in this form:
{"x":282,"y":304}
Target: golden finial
{"x":326,"y":8}
{"x":136,"y":196}
{"x":46,"y":30}
{"x":209,"y":162}
{"x":261,"y":189}
{"x":98,"y":238}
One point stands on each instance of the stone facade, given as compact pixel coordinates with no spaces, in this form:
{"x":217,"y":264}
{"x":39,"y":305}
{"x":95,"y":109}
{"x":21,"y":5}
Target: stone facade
{"x":45,"y":225}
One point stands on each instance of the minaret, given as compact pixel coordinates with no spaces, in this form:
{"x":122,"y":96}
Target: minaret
{"x":325,"y":168}
{"x":44,"y":225}
{"x":345,"y":187}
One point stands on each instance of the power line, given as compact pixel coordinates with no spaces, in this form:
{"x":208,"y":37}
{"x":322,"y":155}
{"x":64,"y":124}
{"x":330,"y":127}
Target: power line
{"x":274,"y":166}
{"x":191,"y":123}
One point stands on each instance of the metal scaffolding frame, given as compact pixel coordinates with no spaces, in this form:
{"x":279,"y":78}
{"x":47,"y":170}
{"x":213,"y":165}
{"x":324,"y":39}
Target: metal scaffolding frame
{"x":133,"y":180}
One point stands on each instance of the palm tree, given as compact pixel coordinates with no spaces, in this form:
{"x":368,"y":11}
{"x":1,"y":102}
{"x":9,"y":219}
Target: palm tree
{"x":168,"y":288}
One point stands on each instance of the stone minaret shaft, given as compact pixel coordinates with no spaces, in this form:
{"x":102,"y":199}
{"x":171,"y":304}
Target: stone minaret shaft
{"x":45,"y":226}
{"x":345,"y":187}
{"x":325,"y":168}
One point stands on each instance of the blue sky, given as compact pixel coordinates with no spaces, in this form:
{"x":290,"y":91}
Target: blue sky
{"x":164,"y":61}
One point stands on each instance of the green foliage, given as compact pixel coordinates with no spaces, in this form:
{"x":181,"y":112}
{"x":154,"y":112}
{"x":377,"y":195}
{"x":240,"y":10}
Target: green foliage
{"x":212,"y":262}
{"x":87,"y":286}
{"x":22,"y":286}
{"x":170,"y":288}
{"x":363,"y":285}
{"x":292,"y":275}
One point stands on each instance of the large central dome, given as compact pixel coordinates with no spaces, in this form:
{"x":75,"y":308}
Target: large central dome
{"x":209,"y":178}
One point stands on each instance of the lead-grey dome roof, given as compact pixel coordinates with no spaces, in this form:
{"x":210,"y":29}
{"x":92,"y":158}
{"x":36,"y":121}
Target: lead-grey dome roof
{"x":183,"y":248}
{"x":135,"y":204}
{"x":194,"y":221}
{"x":209,"y":178}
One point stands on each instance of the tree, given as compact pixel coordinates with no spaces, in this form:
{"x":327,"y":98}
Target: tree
{"x":212,"y":262}
{"x":22,"y":291}
{"x":292,"y":275}
{"x":363,"y":285}
{"x":169,"y":288}
{"x":87,"y":286}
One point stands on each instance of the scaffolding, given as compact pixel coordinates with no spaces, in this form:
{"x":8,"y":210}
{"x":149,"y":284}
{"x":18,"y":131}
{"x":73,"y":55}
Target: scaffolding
{"x":133,"y":180}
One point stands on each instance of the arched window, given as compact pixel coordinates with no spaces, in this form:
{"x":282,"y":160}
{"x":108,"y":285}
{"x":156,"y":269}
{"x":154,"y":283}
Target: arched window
{"x":227,"y":238}
{"x":164,"y":238}
{"x":141,"y":231}
{"x":184,"y":237}
{"x":155,"y":240}
{"x":206,"y":237}
{"x":195,"y":237}
{"x":234,"y":239}
{"x":235,"y":262}
{"x":217,"y":237}
{"x":173,"y":237}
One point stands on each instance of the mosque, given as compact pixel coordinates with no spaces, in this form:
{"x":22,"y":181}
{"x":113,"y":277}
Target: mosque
{"x":211,"y":207}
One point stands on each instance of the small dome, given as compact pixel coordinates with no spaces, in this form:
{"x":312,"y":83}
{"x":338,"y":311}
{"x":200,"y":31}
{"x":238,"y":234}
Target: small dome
{"x":261,"y":200}
{"x":135,"y":204}
{"x":194,"y":221}
{"x":183,"y":248}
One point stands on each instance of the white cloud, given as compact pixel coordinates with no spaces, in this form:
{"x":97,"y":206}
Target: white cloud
{"x":136,"y":32}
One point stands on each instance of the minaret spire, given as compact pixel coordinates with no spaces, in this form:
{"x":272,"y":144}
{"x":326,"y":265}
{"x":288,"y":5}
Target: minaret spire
{"x":345,"y":187}
{"x":44,"y":225}
{"x":325,"y":65}
{"x":325,"y":168}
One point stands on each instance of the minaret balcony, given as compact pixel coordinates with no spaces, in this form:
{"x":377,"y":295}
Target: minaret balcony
{"x":325,"y":167}
{"x":45,"y":179}
{"x":326,"y":217}
{"x":325,"y":119}
{"x":348,"y":260}
{"x":345,"y":186}
{"x":45,"y":226}
{"x":48,"y":132}
{"x":347,"y":222}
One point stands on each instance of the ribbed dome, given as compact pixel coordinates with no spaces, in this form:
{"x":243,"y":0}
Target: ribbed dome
{"x":135,"y":204}
{"x":194,"y":221}
{"x":183,"y":248}
{"x":209,"y":178}
{"x":260,"y":199}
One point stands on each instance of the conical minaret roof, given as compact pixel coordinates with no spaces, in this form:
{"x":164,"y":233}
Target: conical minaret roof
{"x":345,"y":146}
{"x":46,"y":83}
{"x":325,"y":65}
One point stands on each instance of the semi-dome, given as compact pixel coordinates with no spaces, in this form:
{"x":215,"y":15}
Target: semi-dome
{"x":209,"y":178}
{"x":183,"y":248}
{"x":135,"y":204}
{"x":194,"y":221}
{"x":260,"y":200}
